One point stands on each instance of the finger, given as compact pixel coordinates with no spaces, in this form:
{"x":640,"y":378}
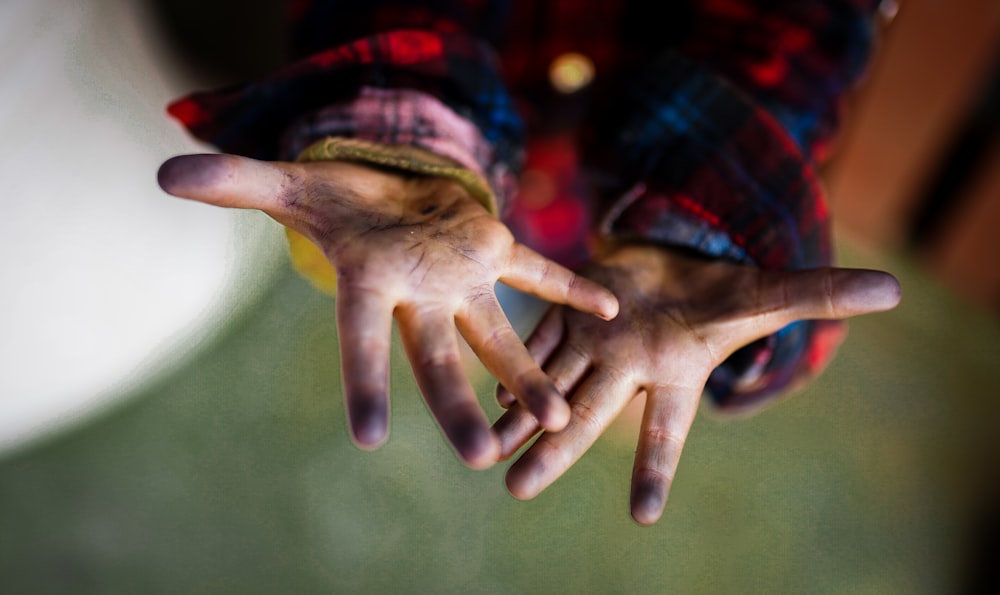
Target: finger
{"x":432,"y":348}
{"x":566,"y":367}
{"x":597,"y":403}
{"x":542,"y":342}
{"x":782,"y":297}
{"x":485,"y":327}
{"x":532,"y":273}
{"x":364,"y":323}
{"x":229,"y":181}
{"x":666,"y":421}
{"x":514,"y":428}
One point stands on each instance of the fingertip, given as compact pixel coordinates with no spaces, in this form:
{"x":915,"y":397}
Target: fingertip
{"x":184,"y":174}
{"x":504,"y":397}
{"x":871,"y":291}
{"x":555,"y":416}
{"x":479,"y":448}
{"x":609,"y":307}
{"x":521,"y":481}
{"x":369,"y":439}
{"x":369,"y":426}
{"x":892,"y":290}
{"x":546,"y":403}
{"x":647,"y":501}
{"x":596,"y":299}
{"x":646,"y":516}
{"x":166,"y":174}
{"x":171,"y":173}
{"x":482,"y":460}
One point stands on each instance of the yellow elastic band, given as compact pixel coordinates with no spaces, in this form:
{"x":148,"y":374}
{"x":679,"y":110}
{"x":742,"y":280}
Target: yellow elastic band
{"x":307,"y":258}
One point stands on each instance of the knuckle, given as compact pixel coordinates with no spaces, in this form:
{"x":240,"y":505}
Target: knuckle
{"x":664,"y":438}
{"x":587,"y":417}
{"x":439,"y":360}
{"x":481,"y":295}
{"x":575,"y":284}
{"x":498,"y":339}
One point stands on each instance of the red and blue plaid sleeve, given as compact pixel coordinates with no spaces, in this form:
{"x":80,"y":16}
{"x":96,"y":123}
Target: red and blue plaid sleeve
{"x":796,"y":58}
{"x":415,"y":87}
{"x":709,"y":128}
{"x":713,"y":148}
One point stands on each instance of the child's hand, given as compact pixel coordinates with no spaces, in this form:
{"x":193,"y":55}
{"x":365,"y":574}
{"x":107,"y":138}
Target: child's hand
{"x":680,"y":318}
{"x":419,"y":249}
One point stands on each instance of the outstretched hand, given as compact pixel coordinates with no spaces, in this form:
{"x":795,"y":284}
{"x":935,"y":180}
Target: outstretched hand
{"x":681,"y":316}
{"x":419,"y":249}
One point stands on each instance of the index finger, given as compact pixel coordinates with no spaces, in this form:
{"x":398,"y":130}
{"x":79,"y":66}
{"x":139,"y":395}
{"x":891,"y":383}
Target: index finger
{"x":540,"y":345}
{"x":532,"y":273}
{"x":489,"y":334}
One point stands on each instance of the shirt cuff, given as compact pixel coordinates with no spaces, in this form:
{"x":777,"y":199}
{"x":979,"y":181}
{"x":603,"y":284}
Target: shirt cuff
{"x":402,"y":119}
{"x":403,"y":158}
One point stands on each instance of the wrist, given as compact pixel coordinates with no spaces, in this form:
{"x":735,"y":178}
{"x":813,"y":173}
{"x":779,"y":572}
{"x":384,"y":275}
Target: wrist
{"x":401,"y":158}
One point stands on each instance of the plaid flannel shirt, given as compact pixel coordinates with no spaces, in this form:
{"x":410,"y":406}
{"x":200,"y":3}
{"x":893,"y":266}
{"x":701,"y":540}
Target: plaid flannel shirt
{"x":701,"y":129}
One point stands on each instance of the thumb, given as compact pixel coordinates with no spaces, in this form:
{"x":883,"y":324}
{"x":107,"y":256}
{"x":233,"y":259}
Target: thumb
{"x":783,"y":297}
{"x":834,"y":293}
{"x":230,"y":181}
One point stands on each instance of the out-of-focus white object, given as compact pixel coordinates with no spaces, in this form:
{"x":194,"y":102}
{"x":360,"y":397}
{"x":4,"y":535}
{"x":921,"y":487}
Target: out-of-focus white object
{"x":105,"y":281}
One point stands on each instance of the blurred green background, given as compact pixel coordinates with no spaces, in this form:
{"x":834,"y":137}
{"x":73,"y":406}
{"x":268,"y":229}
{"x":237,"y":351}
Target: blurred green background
{"x":234,"y":473}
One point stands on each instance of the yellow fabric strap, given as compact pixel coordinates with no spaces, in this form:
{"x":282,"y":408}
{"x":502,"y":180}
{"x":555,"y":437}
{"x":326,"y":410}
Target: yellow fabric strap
{"x":307,"y":259}
{"x":404,"y":157}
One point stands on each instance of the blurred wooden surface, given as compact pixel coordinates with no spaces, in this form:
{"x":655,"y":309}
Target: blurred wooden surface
{"x":928,"y":72}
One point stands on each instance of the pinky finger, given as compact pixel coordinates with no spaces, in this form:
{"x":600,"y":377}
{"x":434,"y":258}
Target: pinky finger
{"x":824,"y":294}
